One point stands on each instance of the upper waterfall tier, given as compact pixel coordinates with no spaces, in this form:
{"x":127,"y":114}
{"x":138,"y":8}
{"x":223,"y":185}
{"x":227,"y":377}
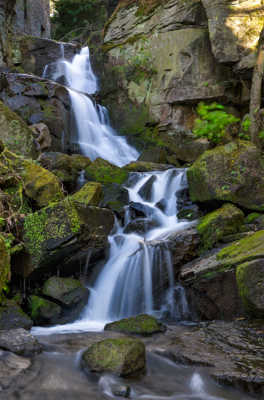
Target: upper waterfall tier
{"x":95,"y":137}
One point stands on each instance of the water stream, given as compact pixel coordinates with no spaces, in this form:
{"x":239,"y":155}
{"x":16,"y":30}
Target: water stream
{"x":137,"y":276}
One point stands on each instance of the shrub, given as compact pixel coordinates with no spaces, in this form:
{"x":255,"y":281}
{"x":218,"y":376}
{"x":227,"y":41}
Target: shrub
{"x":213,"y":121}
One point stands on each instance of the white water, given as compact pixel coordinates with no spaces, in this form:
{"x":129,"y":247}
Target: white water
{"x":139,"y":263}
{"x":95,"y":137}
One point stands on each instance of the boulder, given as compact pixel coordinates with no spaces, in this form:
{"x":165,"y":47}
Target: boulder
{"x":227,"y":284}
{"x":43,"y":311}
{"x":123,"y":357}
{"x":37,"y":100}
{"x":70,"y":292}
{"x":12,"y":317}
{"x":102,"y":171}
{"x":184,"y":246}
{"x":19,"y":341}
{"x":143,"y":166}
{"x":53,"y":233}
{"x":233,"y":172}
{"x":66,"y":168}
{"x":90,"y":194}
{"x":15,"y":134}
{"x":42,"y":136}
{"x":115,"y":197}
{"x":12,"y":368}
{"x":4,"y":267}
{"x":141,"y":325}
{"x":214,"y":226}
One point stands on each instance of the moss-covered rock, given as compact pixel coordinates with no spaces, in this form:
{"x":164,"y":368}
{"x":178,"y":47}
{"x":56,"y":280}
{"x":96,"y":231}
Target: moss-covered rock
{"x":217,"y":224}
{"x":104,"y":172}
{"x":38,"y":184}
{"x":234,"y":172}
{"x":4,"y":267}
{"x":43,"y":311}
{"x":70,"y":292}
{"x":141,"y":324}
{"x":250,"y":281}
{"x":124,"y":357}
{"x":66,"y":168}
{"x":56,"y":231}
{"x":90,"y":194}
{"x":15,"y":134}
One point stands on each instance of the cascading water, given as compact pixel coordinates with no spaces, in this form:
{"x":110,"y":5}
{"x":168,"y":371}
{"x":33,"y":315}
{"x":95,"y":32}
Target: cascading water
{"x":95,"y":137}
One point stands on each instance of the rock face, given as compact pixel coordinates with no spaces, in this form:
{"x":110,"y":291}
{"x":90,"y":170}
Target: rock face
{"x":141,"y":325}
{"x":228,"y":284}
{"x":233,"y":172}
{"x":68,"y":291}
{"x":12,"y":317}
{"x":43,"y":311}
{"x":37,"y":100}
{"x":124,"y":357}
{"x":234,"y":29}
{"x":214,"y":226}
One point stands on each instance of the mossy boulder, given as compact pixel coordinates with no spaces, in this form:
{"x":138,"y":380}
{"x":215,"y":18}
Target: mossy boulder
{"x":214,"y":226}
{"x":104,"y":172}
{"x":233,"y":172}
{"x":70,"y":292}
{"x":56,"y":231}
{"x":43,"y":311}
{"x":124,"y":357}
{"x":12,"y":317}
{"x":67,"y":168}
{"x":141,"y":324}
{"x":39,"y":184}
{"x":15,"y":134}
{"x":90,"y":194}
{"x":4,"y":267}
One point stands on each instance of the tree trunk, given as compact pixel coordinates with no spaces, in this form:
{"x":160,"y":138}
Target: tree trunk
{"x":255,"y":93}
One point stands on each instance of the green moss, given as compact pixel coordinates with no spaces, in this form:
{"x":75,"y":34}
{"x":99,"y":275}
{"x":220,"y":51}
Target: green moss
{"x":247,"y":249}
{"x":141,"y":324}
{"x":252,"y":217}
{"x":90,"y":194}
{"x":104,"y":172}
{"x":4,"y":268}
{"x":34,"y":225}
{"x":217,"y":224}
{"x":36,"y":303}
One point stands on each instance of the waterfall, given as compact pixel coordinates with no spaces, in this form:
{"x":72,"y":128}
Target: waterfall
{"x":95,"y":136}
{"x":139,"y":261}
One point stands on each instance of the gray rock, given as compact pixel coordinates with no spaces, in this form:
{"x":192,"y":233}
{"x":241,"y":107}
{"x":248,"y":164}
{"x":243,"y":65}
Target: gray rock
{"x":12,"y":317}
{"x":19,"y":341}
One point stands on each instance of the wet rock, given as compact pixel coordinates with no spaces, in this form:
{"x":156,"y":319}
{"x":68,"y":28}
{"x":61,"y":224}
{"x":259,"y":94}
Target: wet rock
{"x":232,"y":352}
{"x":124,"y":357}
{"x":19,"y":341}
{"x":121,"y":391}
{"x":141,"y":325}
{"x":154,"y":155}
{"x":140,"y":210}
{"x":115,"y":197}
{"x":146,"y":190}
{"x":184,"y":246}
{"x":70,"y":292}
{"x":214,"y":226}
{"x":140,"y":225}
{"x":12,"y":317}
{"x":15,"y":134}
{"x":210,"y":178}
{"x":43,"y":311}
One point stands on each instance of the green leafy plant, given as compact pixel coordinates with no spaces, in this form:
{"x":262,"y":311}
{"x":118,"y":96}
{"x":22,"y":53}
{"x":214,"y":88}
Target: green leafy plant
{"x":244,"y":134}
{"x":213,"y":121}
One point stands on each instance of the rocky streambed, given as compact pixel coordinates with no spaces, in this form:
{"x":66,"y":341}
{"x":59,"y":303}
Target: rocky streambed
{"x":215,"y":360}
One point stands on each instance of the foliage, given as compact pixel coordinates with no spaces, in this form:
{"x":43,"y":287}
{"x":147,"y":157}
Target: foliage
{"x":71,"y":16}
{"x":244,"y":134}
{"x":213,"y":121}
